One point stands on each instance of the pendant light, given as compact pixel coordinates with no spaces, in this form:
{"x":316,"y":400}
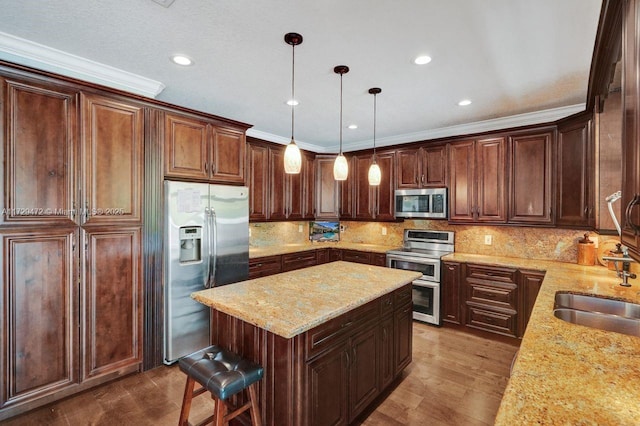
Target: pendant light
{"x":341,"y":167}
{"x":375,"y":176}
{"x":292,"y":157}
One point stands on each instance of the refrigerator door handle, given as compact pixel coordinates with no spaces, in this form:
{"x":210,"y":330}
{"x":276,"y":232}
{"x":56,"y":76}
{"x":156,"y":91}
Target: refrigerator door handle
{"x":214,"y":243}
{"x":207,"y":263}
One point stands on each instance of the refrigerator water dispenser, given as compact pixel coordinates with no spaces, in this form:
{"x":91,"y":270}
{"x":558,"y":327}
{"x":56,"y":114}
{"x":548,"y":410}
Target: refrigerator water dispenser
{"x":190,"y":244}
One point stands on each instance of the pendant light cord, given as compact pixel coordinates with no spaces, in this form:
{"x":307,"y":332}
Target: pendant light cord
{"x":293,"y":92}
{"x":375,"y":98}
{"x":341,"y":114}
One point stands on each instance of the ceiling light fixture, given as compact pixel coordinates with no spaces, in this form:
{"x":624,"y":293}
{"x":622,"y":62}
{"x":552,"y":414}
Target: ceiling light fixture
{"x":422,"y":60}
{"x":464,"y":102}
{"x":353,"y":126}
{"x":341,"y":167}
{"x":375,"y":175}
{"x":183,"y":60}
{"x":292,"y":157}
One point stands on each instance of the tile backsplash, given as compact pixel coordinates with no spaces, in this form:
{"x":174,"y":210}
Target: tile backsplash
{"x":525,"y":242}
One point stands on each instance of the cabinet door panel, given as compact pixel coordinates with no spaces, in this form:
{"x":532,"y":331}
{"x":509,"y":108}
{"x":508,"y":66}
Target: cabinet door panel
{"x":40,"y":316}
{"x":461,"y":184}
{"x":451,"y":292}
{"x":227,"y":150}
{"x":327,"y":189}
{"x":408,"y":168}
{"x":573,"y":158}
{"x":40,"y":154}
{"x":258,"y":181}
{"x":113,"y":143}
{"x":363,"y":380}
{"x":434,"y":165}
{"x":363,"y":193}
{"x":112,"y":279}
{"x":278,"y":197}
{"x":384,"y":204}
{"x":403,"y":329}
{"x":490,"y":172}
{"x":327,"y":377}
{"x":387,"y":371}
{"x":186,"y":145}
{"x":308,"y":187}
{"x":531,"y":188}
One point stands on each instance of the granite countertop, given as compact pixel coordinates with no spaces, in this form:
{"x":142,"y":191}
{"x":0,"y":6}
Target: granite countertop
{"x":293,"y":302}
{"x":263,"y":251}
{"x":566,"y":373}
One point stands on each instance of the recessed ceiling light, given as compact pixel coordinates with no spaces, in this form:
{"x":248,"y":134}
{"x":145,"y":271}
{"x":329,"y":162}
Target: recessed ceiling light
{"x":292,"y":102}
{"x":421,"y":60}
{"x":353,"y":126}
{"x":464,"y":102}
{"x":182,"y":60}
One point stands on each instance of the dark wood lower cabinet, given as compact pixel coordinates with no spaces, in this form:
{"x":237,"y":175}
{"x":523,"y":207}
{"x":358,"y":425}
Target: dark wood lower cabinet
{"x":330,"y":374}
{"x":489,"y":298}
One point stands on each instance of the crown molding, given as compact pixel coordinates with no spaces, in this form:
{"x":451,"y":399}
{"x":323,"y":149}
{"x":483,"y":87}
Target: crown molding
{"x":25,"y":52}
{"x":518,"y":120}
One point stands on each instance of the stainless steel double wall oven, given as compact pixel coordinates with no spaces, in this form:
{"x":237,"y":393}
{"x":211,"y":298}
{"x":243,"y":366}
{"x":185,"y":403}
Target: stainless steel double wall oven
{"x":421,"y":252}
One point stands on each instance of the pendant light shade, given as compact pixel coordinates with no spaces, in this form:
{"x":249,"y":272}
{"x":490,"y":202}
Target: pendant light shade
{"x":375,"y":175}
{"x":292,"y":156}
{"x":341,"y":167}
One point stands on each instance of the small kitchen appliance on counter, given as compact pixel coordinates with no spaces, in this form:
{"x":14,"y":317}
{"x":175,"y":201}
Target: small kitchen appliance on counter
{"x":421,"y":251}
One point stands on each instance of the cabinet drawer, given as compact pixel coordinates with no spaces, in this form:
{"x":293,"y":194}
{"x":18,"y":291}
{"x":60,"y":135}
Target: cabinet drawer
{"x":335,"y":331}
{"x":386,"y":304}
{"x":492,"y":274}
{"x":298,"y":260}
{"x":379,"y":259}
{"x":493,"y":294}
{"x":322,"y":256}
{"x":492,"y":320}
{"x":356,"y":256}
{"x":402,"y":295}
{"x":263,"y":266}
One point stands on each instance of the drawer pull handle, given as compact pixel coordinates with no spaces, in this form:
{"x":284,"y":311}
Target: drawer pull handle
{"x":346,"y":324}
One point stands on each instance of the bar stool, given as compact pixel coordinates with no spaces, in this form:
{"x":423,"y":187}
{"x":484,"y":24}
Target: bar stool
{"x":224,"y":374}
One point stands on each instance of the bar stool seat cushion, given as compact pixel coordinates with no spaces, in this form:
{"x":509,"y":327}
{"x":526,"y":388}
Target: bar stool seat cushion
{"x":221,"y":372}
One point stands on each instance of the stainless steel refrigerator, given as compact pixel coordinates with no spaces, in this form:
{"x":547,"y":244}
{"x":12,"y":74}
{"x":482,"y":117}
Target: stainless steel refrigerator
{"x":206,"y":245}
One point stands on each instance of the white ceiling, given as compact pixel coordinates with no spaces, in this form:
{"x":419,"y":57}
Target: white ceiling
{"x":519,"y":61}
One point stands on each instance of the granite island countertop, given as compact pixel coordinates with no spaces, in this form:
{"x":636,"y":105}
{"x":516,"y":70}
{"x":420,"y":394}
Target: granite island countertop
{"x":565,"y":373}
{"x":291,"y":303}
{"x":262,"y":251}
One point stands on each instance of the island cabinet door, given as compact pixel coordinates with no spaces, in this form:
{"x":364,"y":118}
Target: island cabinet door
{"x":386,"y":363}
{"x":39,"y":332}
{"x":403,"y":328}
{"x":328,"y":381}
{"x":112,"y":298}
{"x":363,"y":371}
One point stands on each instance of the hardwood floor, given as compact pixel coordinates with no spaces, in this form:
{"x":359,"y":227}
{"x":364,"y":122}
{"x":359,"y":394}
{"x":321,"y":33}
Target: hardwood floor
{"x":454,"y":379}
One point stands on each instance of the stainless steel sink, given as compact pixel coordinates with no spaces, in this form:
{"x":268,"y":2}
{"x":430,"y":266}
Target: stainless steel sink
{"x":597,"y":312}
{"x":583,"y":302}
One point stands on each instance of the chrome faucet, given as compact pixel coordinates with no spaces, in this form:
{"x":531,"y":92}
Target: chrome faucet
{"x":626,"y":260}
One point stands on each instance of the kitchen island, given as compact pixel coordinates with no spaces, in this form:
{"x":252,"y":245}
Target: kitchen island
{"x":331,"y":337}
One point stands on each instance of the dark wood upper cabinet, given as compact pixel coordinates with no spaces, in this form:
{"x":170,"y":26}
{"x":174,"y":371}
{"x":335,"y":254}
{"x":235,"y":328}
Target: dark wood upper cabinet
{"x":574,"y":170}
{"x":279,"y":203}
{"x":421,"y":167}
{"x":112,"y":160}
{"x":258,"y":181}
{"x":347,"y":192}
{"x":477,"y":172}
{"x":327,"y":188}
{"x":198,"y":149}
{"x":374,"y":202}
{"x":41,"y":153}
{"x":531,"y":173}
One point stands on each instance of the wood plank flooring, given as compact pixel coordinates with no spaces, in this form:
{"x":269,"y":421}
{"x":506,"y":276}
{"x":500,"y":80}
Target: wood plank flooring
{"x":454,"y":379}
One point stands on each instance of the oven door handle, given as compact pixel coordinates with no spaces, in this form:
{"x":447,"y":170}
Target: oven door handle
{"x":426,"y":284}
{"x":417,"y":259}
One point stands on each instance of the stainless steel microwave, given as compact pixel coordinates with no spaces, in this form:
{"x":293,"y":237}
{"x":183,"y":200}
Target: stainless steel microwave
{"x":430,"y":203}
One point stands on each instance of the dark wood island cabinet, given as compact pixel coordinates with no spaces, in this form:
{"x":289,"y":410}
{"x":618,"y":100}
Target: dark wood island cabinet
{"x":331,"y":338}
